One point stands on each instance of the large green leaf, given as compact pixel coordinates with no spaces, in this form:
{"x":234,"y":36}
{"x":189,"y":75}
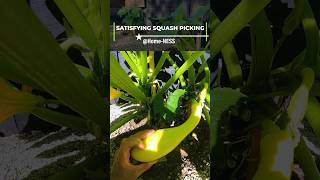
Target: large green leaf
{"x":223,"y":99}
{"x":173,"y":100}
{"x":78,"y":21}
{"x":240,"y":16}
{"x":35,"y":53}
{"x":9,"y":71}
{"x":60,"y":119}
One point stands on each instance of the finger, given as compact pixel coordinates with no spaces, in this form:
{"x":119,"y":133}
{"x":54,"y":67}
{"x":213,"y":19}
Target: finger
{"x":130,"y":142}
{"x":136,"y":142}
{"x":141,"y":168}
{"x":125,"y":148}
{"x":144,"y":134}
{"x":153,"y":162}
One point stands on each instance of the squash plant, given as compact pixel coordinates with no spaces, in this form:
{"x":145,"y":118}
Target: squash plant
{"x":141,"y":86}
{"x":30,"y":57}
{"x":259,"y":105}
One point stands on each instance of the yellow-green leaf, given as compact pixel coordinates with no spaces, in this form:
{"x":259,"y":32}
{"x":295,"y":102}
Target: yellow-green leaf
{"x":13,"y":101}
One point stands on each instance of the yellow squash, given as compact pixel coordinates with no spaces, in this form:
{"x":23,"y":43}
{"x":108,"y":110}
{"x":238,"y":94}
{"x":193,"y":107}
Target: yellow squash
{"x":163,"y":141}
{"x":277,"y":152}
{"x":299,"y":100}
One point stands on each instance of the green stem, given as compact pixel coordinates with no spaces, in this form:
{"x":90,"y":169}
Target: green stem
{"x":178,"y":73}
{"x":121,"y":121}
{"x":192,"y":77}
{"x":129,"y":99}
{"x":162,"y":60}
{"x":181,"y":78}
{"x":306,"y":161}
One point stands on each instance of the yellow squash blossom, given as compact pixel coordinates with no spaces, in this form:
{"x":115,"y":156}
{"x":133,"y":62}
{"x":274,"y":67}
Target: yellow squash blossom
{"x":114,"y":93}
{"x":13,"y":101}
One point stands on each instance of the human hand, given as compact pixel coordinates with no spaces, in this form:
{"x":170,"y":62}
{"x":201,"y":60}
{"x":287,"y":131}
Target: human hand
{"x":122,"y":169}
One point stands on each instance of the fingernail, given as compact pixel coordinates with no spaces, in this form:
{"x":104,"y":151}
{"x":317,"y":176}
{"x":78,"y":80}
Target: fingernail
{"x":151,"y":132}
{"x":141,"y":146}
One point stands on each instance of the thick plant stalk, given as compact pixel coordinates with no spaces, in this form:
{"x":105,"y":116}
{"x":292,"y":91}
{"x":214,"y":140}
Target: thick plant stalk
{"x":299,"y":103}
{"x":143,"y":62}
{"x":277,"y":147}
{"x":231,"y":61}
{"x":151,"y":70}
{"x":240,"y":16}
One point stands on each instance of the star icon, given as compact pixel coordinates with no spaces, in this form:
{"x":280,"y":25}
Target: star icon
{"x":139,"y":37}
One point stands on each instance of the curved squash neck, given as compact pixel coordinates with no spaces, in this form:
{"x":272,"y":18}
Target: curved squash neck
{"x":194,"y":118}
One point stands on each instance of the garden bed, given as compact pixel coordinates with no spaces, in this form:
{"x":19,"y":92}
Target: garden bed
{"x":190,"y":160}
